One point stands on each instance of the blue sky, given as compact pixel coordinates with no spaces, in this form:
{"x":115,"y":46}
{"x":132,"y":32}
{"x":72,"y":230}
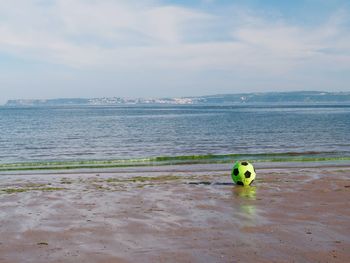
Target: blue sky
{"x":151,"y":48}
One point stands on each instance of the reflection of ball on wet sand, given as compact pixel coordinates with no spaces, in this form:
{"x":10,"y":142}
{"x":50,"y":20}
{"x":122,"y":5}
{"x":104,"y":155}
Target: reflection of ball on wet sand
{"x":243,"y":173}
{"x":248,"y":192}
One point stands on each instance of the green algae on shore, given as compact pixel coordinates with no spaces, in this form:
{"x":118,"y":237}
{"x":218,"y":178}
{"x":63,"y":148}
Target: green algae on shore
{"x":145,"y":179}
{"x":27,"y":189}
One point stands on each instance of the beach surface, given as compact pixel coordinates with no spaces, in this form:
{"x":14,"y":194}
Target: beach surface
{"x":294,"y":212}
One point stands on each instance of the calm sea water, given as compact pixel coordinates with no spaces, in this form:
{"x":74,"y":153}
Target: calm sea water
{"x":94,"y":133}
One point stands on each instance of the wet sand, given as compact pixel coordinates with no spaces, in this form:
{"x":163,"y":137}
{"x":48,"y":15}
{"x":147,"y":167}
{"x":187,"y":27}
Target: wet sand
{"x":191,"y":213}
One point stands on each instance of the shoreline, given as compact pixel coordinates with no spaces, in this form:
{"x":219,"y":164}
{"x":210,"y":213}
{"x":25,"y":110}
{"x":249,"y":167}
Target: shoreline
{"x":211,"y":159}
{"x":192,"y":213}
{"x":182,"y":167}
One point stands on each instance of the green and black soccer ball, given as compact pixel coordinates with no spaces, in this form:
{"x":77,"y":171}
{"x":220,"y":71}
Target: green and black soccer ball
{"x":243,"y":173}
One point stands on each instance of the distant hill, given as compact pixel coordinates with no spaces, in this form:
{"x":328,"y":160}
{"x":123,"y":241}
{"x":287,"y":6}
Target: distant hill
{"x":280,"y":97}
{"x":266,"y":97}
{"x":53,"y":102}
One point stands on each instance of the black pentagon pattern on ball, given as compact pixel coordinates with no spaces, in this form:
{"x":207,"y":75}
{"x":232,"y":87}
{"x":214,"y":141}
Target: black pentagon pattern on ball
{"x":239,"y":183}
{"x":244,"y":163}
{"x":251,"y":182}
{"x":235,"y":171}
{"x":247,"y":174}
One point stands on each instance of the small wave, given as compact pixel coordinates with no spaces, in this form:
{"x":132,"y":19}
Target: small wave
{"x":311,"y":156}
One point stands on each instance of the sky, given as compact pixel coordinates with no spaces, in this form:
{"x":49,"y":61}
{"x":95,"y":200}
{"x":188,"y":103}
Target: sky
{"x":171,"y":48}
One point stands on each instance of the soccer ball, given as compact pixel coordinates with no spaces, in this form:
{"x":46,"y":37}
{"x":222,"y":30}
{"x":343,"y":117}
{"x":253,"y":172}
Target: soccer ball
{"x":243,"y":173}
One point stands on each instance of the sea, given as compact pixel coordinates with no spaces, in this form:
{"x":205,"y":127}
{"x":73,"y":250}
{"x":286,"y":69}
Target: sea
{"x":173,"y":132}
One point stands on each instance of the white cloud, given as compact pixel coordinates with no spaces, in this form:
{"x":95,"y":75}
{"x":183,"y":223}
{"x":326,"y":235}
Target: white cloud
{"x":129,"y":35}
{"x":66,"y":31}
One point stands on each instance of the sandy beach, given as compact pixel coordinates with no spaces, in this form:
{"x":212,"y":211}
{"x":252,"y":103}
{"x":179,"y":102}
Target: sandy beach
{"x":185,"y":213}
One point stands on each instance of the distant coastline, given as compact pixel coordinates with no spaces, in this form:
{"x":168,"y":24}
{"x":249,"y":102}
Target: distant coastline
{"x":264,"y":97}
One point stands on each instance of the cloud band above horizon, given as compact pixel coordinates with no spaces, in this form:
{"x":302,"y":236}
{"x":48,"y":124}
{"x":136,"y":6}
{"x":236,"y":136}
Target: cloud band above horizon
{"x":131,"y":48}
